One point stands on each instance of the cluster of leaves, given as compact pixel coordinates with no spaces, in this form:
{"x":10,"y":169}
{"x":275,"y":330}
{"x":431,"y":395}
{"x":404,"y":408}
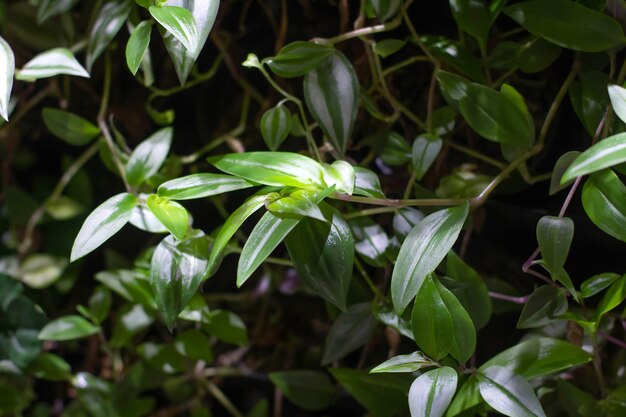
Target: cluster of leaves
{"x":375,"y":226}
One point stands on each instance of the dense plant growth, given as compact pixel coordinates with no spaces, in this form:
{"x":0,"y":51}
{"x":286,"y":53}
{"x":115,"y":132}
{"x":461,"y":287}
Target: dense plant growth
{"x":271,"y":207}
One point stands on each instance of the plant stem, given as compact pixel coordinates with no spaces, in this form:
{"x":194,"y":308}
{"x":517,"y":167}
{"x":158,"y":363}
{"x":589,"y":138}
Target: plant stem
{"x":475,"y":154}
{"x":379,"y":295}
{"x":217,"y":393}
{"x":400,"y":202}
{"x":370,"y":212}
{"x":509,"y":298}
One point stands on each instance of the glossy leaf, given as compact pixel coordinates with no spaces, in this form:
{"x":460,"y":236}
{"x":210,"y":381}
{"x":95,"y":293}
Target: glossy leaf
{"x":201,"y":185}
{"x":275,"y":126}
{"x":299,"y":203}
{"x":544,"y":305}
{"x":56,"y":61}
{"x":386,"y":315}
{"x":298,"y":58}
{"x":603,"y":201}
{"x":227,"y":327}
{"x":604,"y":154}
{"x":613,"y":297}
{"x":559,"y":169}
{"x":568,"y":24}
{"x":51,"y":8}
{"x":395,"y":149}
{"x":371,"y":240}
{"x":590,"y":98}
{"x":431,"y":393}
{"x":332,"y":96}
{"x":617,"y":94}
{"x":50,"y":367}
{"x":555,"y":235}
{"x":473,"y":17}
{"x":537,"y":56}
{"x":366,"y":183}
{"x":143,"y":219}
{"x":350,"y":331}
{"x":230,"y":227}
{"x":106,"y":220}
{"x":272,"y":168}
{"x":69,"y":127}
{"x":180,"y":23}
{"x":323,"y":254}
{"x":453,"y":87}
{"x":341,"y":175}
{"x":423,"y":249}
{"x":597,"y":283}
{"x":309,"y":390}
{"x":177,"y":269}
{"x":137,"y":45}
{"x":404,"y":220}
{"x":508,"y":393}
{"x":148,"y":157}
{"x":110,"y":20}
{"x":403,"y":363}
{"x":425,"y":150}
{"x":7,"y":69}
{"x":464,"y":333}
{"x":469,"y":288}
{"x":204,"y":13}
{"x":68,"y":328}
{"x":388,"y":47}
{"x":171,"y":214}
{"x":456,"y":55}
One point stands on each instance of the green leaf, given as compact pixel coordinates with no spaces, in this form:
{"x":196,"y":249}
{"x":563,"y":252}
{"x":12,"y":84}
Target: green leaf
{"x":275,"y":126}
{"x":130,"y":320}
{"x":403,"y":363}
{"x":204,"y":13}
{"x":383,"y":395}
{"x":555,"y":235}
{"x":201,"y":185}
{"x":331,"y":92}
{"x":386,"y":9}
{"x":464,"y":333}
{"x":171,"y":214}
{"x":425,"y":150}
{"x":559,"y":169}
{"x":100,"y":303}
{"x":366,"y":183}
{"x":69,"y":127}
{"x":298,"y":58}
{"x":613,"y":297}
{"x":143,"y":219}
{"x":617,"y":94}
{"x":453,"y":87}
{"x":371,"y":241}
{"x":473,"y":17}
{"x":340,"y":174}
{"x":597,"y":283}
{"x":180,"y":23}
{"x":469,"y":288}
{"x":67,"y":328}
{"x":538,"y":357}
{"x":404,"y":220}
{"x":110,"y":20}
{"x":349,"y":332}
{"x":130,"y":285}
{"x":574,"y":400}
{"x":537,"y":56}
{"x":148,"y":157}
{"x":264,"y":238}
{"x":41,"y":270}
{"x":385,"y":314}
{"x":431,"y":393}
{"x":508,"y":393}
{"x":604,"y":154}
{"x":456,"y":55}
{"x":137,"y":45}
{"x":395,"y":150}
{"x":590,"y":98}
{"x":297,"y":204}
{"x":309,"y":390}
{"x":194,"y":344}
{"x":388,"y":47}
{"x":7,"y":68}
{"x":56,"y":61}
{"x":423,"y":249}
{"x":544,"y":305}
{"x":467,"y":398}
{"x":603,"y":201}
{"x":568,"y":24}
{"x":227,"y":327}
{"x":50,"y":367}
{"x":323,"y":255}
{"x":106,"y":220}
{"x":177,"y":269}
{"x":230,"y":227}
{"x":272,"y":168}
{"x":51,"y":8}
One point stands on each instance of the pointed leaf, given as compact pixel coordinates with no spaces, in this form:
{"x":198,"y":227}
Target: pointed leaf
{"x":367,"y":183}
{"x":371,"y":241}
{"x":603,"y":201}
{"x":617,"y":94}
{"x":555,"y":235}
{"x":340,"y":174}
{"x":403,"y":363}
{"x":425,"y":150}
{"x":332,"y":96}
{"x":309,"y":390}
{"x":67,"y":328}
{"x":201,"y":185}
{"x":431,"y":393}
{"x":50,"y":63}
{"x":7,"y":69}
{"x":544,"y":305}
{"x":508,"y":393}
{"x":298,"y":58}
{"x":180,"y":23}
{"x":604,"y":154}
{"x":148,"y":157}
{"x":106,"y":220}
{"x":597,"y":283}
{"x":464,"y":333}
{"x":423,"y":249}
{"x":69,"y":127}
{"x":143,"y":219}
{"x":613,"y":297}
{"x":51,"y":8}
{"x":275,"y":126}
{"x":349,"y":332}
{"x":110,"y":20}
{"x":386,"y":9}
{"x":433,"y":328}
{"x":171,"y":214}
{"x":137,"y":45}
{"x":473,"y":17}
{"x":559,"y":169}
{"x":297,"y":204}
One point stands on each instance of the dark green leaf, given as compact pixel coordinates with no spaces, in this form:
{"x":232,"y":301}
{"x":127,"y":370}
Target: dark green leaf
{"x":137,"y":45}
{"x":388,"y":317}
{"x":473,"y":17}
{"x":56,"y":61}
{"x":395,"y":150}
{"x":403,"y":363}
{"x":349,"y":332}
{"x":100,"y":303}
{"x":464,"y":333}
{"x":201,"y":185}
{"x":431,"y":393}
{"x":555,"y":235}
{"x":469,"y":288}
{"x":130,"y":285}
{"x":603,"y":201}
{"x":51,"y":8}
{"x":180,"y":23}
{"x":597,"y":283}
{"x":559,"y":168}
{"x":228,"y":327}
{"x":508,"y":393}
{"x":310,"y":390}
{"x":69,"y":127}
{"x":110,"y":20}
{"x":590,"y":98}
{"x":455,"y":54}
{"x":275,"y":126}
{"x":453,"y":87}
{"x":544,"y":305}
{"x":148,"y":157}
{"x":423,"y":249}
{"x":604,"y":154}
{"x":537,"y":56}
{"x":371,"y":241}
{"x":171,"y":214}
{"x":386,"y":9}
{"x":425,"y":150}
{"x":50,"y":367}
{"x":613,"y":297}
{"x":130,"y":320}
{"x":575,"y":401}
{"x":366,"y":183}
{"x":194,"y":344}
{"x":298,"y":58}
{"x":331,"y":91}
{"x":68,"y":328}
{"x":388,"y":47}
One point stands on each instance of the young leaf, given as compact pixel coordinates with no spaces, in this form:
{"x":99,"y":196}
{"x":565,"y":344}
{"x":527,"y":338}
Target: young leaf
{"x":431,"y":393}
{"x":67,"y":328}
{"x":201,"y":185}
{"x":544,"y":305}
{"x":171,"y":214}
{"x":275,"y":126}
{"x":423,"y":249}
{"x":617,"y":94}
{"x":272,"y":168}
{"x":349,"y":332}
{"x":180,"y":23}
{"x":110,"y":20}
{"x":69,"y":127}
{"x":603,"y":201}
{"x":469,"y":288}
{"x":50,"y":63}
{"x":568,"y":24}
{"x":367,"y":183}
{"x":403,"y":363}
{"x":297,"y":204}
{"x":148,"y":157}
{"x":508,"y":393}
{"x":323,"y":254}
{"x":106,"y":220}
{"x":453,"y":87}
{"x":50,"y":8}
{"x":332,"y":93}
{"x":464,"y":332}
{"x":555,"y":235}
{"x":604,"y":154}
{"x":597,"y":283}
{"x":559,"y":169}
{"x":7,"y":68}
{"x":177,"y":269}
{"x":613,"y":297}
{"x":425,"y":150}
{"x":298,"y":58}
{"x":309,"y":390}
{"x":143,"y":219}
{"x":138,"y":45}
